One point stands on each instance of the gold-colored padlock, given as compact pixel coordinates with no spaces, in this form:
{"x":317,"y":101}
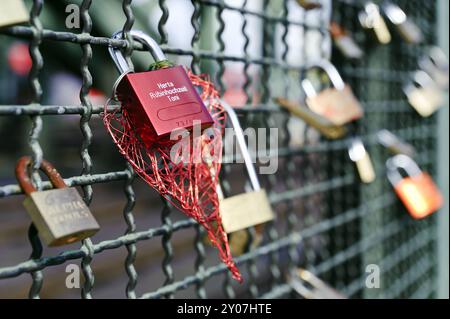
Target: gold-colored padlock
{"x":60,"y":215}
{"x":409,"y":31}
{"x":309,"y":4}
{"x":424,"y":94}
{"x":370,"y":18}
{"x":338,"y":103}
{"x":242,"y":211}
{"x":309,"y":286}
{"x":394,"y":144}
{"x":359,"y":155}
{"x":13,"y":12}
{"x":320,"y":123}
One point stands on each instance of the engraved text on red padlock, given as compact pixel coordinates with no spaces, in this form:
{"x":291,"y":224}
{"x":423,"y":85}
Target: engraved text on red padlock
{"x":160,"y":101}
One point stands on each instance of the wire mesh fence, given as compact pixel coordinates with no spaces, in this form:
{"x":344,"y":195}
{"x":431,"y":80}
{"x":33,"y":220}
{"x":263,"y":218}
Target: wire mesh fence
{"x":326,"y":220}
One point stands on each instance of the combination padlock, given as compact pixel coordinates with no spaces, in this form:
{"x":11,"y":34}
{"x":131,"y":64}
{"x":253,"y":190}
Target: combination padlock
{"x":13,"y":12}
{"x":359,"y":155}
{"x":344,"y":42}
{"x":337,"y":104}
{"x":320,"y":123}
{"x":417,"y":191}
{"x":424,"y":95}
{"x":409,"y":31}
{"x":371,"y":19}
{"x":60,"y":215}
{"x":157,"y":102}
{"x":248,"y":209}
{"x":394,"y":144}
{"x":435,"y":64}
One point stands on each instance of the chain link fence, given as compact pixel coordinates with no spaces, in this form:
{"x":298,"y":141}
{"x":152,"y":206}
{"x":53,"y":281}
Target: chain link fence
{"x":326,"y":220}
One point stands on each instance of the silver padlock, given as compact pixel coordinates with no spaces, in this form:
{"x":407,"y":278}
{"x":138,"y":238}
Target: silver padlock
{"x":410,"y":32}
{"x":309,"y":286}
{"x":338,"y":103}
{"x":424,"y":95}
{"x":371,"y":19}
{"x":435,"y":64}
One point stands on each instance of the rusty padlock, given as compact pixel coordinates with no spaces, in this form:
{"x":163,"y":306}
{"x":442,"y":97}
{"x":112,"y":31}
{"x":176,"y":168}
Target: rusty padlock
{"x":424,"y":95}
{"x":60,"y":215}
{"x":417,"y":191}
{"x":337,"y":104}
{"x":371,"y":19}
{"x":410,"y":32}
{"x":345,"y":42}
{"x":248,"y":209}
{"x":13,"y":12}
{"x":160,"y":101}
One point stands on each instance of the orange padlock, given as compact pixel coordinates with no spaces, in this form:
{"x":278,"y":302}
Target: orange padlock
{"x":417,"y":190}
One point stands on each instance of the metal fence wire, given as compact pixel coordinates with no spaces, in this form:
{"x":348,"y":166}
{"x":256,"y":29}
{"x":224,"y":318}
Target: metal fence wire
{"x":326,"y":220}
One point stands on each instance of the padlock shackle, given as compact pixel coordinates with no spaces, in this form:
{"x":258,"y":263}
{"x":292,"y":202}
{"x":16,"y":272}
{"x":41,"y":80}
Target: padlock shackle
{"x":394,"y":13}
{"x":242,"y":146}
{"x":404,"y":162}
{"x":120,"y":61}
{"x":24,"y":178}
{"x":421,"y":78}
{"x":330,"y":70}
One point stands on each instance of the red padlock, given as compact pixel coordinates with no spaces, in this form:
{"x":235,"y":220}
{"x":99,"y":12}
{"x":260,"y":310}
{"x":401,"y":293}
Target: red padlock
{"x":160,"y":101}
{"x":417,"y":190}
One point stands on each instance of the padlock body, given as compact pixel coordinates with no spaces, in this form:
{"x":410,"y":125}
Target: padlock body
{"x":348,"y":47}
{"x":161,"y":101}
{"x":420,"y":195}
{"x":245,"y":210}
{"x":60,"y":216}
{"x":365,"y":169}
{"x":426,"y":100}
{"x":13,"y":12}
{"x":410,"y":32}
{"x":338,"y":106}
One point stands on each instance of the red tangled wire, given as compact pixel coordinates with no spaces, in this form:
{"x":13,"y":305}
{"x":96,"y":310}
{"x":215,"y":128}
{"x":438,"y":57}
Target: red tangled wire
{"x":189,"y":185}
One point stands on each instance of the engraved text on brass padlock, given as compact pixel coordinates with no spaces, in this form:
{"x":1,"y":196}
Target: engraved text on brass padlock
{"x":60,"y":215}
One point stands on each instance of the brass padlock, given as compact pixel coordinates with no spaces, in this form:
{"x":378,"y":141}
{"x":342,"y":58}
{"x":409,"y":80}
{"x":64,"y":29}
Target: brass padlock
{"x":60,"y":215}
{"x":13,"y":12}
{"x":249,"y":209}
{"x":309,"y":286}
{"x":394,"y":144}
{"x":371,"y":19}
{"x":344,"y":42}
{"x":309,"y":4}
{"x":410,"y":32}
{"x":435,"y":64}
{"x":359,"y":155}
{"x":316,"y":121}
{"x":337,"y":104}
{"x":424,"y":94}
